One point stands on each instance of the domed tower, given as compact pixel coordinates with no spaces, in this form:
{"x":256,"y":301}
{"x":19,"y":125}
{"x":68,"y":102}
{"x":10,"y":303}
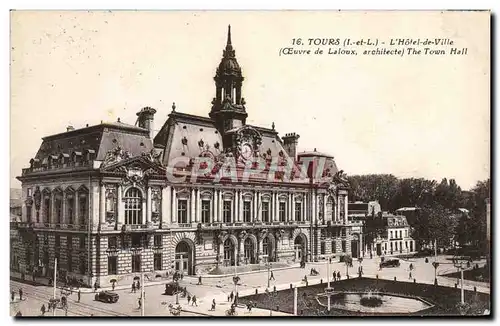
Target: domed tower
{"x":228,"y":107}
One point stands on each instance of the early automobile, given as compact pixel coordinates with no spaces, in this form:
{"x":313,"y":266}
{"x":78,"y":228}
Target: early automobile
{"x":173,"y":288}
{"x":390,"y":263}
{"x":106,"y":296}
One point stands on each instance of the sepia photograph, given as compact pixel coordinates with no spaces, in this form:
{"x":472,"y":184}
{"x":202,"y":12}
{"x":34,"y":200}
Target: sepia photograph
{"x":250,"y":163}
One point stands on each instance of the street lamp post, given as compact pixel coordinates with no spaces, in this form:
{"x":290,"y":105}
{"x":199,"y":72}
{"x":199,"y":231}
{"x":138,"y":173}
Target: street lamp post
{"x":269,"y":265}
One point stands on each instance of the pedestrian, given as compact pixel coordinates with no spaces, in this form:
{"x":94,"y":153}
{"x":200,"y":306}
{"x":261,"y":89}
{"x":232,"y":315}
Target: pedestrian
{"x":95,"y":286}
{"x":199,"y":280}
{"x":213,"y":304}
{"x":231,"y":295}
{"x":79,"y":295}
{"x":133,"y":287}
{"x":228,"y":298}
{"x":194,"y":300}
{"x":138,"y":285}
{"x":20,"y":294}
{"x":189,"y":298}
{"x":249,"y":306}
{"x":140,"y":303}
{"x":42,"y":310}
{"x":12,"y":295}
{"x":410,"y":276}
{"x":272,"y":277}
{"x":113,"y":286}
{"x":338,"y":276}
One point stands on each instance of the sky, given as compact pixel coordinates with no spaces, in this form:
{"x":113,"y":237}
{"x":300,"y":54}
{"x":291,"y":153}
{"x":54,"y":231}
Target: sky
{"x":419,"y":116}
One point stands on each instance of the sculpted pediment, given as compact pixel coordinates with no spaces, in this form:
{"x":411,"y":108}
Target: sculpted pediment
{"x":136,"y":168}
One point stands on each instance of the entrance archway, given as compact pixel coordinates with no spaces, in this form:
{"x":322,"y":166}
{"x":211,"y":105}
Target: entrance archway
{"x":268,"y":248}
{"x":249,"y":250}
{"x":300,"y":248}
{"x":184,"y":258}
{"x":229,"y":253}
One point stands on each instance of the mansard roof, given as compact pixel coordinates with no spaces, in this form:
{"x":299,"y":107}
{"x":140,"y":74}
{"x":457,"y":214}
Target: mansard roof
{"x":98,"y":140}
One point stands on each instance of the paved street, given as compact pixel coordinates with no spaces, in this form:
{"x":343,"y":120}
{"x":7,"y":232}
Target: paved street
{"x":219,"y":288}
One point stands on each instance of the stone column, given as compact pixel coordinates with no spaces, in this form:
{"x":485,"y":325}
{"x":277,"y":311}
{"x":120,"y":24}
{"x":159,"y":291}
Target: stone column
{"x":304,"y":207}
{"x":102,"y":204}
{"x":148,"y":206}
{"x":292,"y":215}
{"x":240,"y":206}
{"x":254,"y":207}
{"x":144,"y":210}
{"x":174,"y":205}
{"x":259,"y":206}
{"x":165,"y":205}
{"x":64,"y":218}
{"x":325,"y":197}
{"x":314,"y":217}
{"x":198,"y":205}
{"x":52,"y":219}
{"x":76,"y":212}
{"x":275,"y":207}
{"x":215,"y":205}
{"x":219,"y":206}
{"x":192,"y":206}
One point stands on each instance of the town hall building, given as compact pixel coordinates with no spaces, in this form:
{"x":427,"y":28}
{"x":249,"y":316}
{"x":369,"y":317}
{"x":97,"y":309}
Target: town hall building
{"x":113,"y":199}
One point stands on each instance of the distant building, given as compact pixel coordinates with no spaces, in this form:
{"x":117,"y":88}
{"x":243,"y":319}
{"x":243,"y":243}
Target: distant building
{"x":397,"y":239}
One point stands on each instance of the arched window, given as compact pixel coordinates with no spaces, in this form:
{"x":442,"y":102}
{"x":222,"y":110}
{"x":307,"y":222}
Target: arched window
{"x":133,"y":206}
{"x":329,"y":209}
{"x":265,"y":246}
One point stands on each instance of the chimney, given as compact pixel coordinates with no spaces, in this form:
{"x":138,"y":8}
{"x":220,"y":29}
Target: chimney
{"x":69,"y":128}
{"x":290,"y":142}
{"x":145,"y":119}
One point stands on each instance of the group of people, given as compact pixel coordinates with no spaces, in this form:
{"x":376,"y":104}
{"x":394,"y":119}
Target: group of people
{"x":336,"y":276}
{"x":13,"y":295}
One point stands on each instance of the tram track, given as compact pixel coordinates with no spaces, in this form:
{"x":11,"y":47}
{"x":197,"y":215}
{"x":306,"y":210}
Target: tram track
{"x":78,"y":308}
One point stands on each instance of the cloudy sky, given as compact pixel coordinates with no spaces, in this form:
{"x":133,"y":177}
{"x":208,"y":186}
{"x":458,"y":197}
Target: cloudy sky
{"x":419,"y":116}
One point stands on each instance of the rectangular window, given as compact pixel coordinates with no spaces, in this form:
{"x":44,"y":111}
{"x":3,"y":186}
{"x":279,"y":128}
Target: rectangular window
{"x":282,"y":211}
{"x":69,"y":242}
{"x":298,"y":212}
{"x":406,"y":233}
{"x":157,"y":262}
{"x":400,"y":234}
{"x":182,"y":210}
{"x":58,"y":211}
{"x":112,"y":243}
{"x":344,"y":246}
{"x":82,"y":242}
{"x":247,"y":206}
{"x":158,"y":240}
{"x":227,"y":211}
{"x":58,"y":240}
{"x":69,"y":262}
{"x":265,"y":212}
{"x":83,"y":210}
{"x":390,"y":236}
{"x":136,"y":263}
{"x":112,"y":265}
{"x":136,"y":241}
{"x":205,"y":211}
{"x":28,"y":213}
{"x":323,"y":248}
{"x":334,"y":247}
{"x":69,"y":207}
{"x":83,"y":266}
{"x":344,"y":232}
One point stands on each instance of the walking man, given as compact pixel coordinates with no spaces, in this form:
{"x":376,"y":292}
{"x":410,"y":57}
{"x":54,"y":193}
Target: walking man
{"x":133,"y":287}
{"x":231,"y":296}
{"x":199,"y":280}
{"x":113,"y":286}
{"x":338,"y":275}
{"x":272,"y":276}
{"x":12,"y":295}
{"x":20,"y":294}
{"x":42,"y":310}
{"x":194,"y":301}
{"x":95,"y":286}
{"x":140,"y":303}
{"x":79,"y":295}
{"x":213,"y":305}
{"x":189,"y":298}
{"x":409,"y":277}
